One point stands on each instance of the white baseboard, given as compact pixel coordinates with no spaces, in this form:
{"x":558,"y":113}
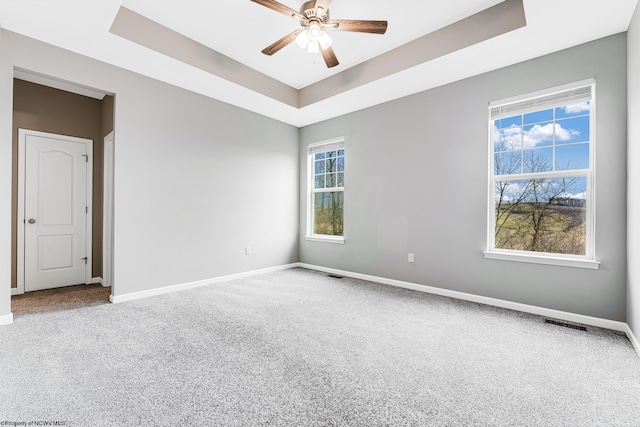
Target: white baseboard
{"x":16,"y":291}
{"x":633,"y":339}
{"x":540,"y":311}
{"x":116,"y":299}
{"x":7,"y":319}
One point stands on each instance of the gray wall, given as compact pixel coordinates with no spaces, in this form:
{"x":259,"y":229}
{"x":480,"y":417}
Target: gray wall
{"x":417,"y":178}
{"x":6,"y":113}
{"x":196,"y":180}
{"x":633,"y":217}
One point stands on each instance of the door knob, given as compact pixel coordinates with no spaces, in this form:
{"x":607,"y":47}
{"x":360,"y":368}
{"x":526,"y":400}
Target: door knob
{"x":32,"y":221}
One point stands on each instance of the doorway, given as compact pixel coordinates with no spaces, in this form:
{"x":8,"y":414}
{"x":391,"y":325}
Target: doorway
{"x":42,"y":104}
{"x":54,"y":210}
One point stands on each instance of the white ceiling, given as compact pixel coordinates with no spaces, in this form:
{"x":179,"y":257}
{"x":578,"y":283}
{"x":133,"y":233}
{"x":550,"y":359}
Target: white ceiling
{"x":240,"y":29}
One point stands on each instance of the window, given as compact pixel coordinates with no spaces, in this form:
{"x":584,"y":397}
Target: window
{"x":326,"y":191}
{"x":541,"y":183}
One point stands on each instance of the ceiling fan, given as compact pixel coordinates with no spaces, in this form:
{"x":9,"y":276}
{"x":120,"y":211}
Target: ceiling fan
{"x":314,"y":19}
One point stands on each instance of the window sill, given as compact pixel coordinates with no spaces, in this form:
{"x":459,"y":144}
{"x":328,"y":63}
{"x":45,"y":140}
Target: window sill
{"x":544,"y":259}
{"x":326,"y":239}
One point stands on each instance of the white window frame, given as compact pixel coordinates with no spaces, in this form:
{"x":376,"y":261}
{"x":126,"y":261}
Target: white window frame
{"x":531,"y":102}
{"x":312,"y":149}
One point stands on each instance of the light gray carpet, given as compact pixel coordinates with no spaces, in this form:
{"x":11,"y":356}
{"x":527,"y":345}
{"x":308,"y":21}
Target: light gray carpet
{"x":298,"y":348}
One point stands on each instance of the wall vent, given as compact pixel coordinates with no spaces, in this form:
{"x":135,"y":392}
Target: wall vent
{"x":565,"y":324}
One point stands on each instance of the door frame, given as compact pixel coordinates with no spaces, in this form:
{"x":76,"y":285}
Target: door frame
{"x":22,"y":164}
{"x":107,"y":214}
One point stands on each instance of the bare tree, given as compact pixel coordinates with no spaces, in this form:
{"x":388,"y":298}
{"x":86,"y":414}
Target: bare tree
{"x":506,"y":204}
{"x":537,"y":214}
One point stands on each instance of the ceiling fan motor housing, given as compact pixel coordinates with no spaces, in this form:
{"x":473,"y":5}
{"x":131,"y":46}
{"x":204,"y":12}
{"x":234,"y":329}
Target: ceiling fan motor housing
{"x":308,"y":10}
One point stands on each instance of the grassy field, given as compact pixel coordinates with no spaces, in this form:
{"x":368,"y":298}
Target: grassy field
{"x":541,"y":227}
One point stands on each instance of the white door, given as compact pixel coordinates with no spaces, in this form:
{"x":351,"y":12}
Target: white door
{"x":56,"y":210}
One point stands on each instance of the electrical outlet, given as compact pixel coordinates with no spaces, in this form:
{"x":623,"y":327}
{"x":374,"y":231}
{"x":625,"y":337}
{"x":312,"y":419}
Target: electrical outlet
{"x":410,"y":257}
{"x":247,"y":250}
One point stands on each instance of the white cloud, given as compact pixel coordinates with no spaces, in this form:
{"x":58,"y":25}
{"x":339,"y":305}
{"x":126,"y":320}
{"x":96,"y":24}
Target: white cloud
{"x":544,"y":133}
{"x":514,"y":139}
{"x":582,"y":195}
{"x":510,"y":193}
{"x":577,"y":108}
{"x":513,"y":130}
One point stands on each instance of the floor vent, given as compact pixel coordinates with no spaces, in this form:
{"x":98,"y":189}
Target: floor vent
{"x":565,"y":324}
{"x":335,"y":276}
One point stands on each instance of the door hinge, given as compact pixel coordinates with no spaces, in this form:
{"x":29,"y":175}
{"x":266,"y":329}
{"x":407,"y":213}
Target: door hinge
{"x":85,"y":260}
{"x":86,"y":158}
{"x":86,"y":209}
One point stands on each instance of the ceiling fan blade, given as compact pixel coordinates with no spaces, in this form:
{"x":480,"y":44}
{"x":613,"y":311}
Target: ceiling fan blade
{"x":374,"y":27}
{"x":329,"y":57}
{"x":279,"y":7}
{"x":322,"y":4}
{"x":270,"y":50}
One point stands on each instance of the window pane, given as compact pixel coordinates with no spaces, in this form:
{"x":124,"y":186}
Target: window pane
{"x":541,"y":215}
{"x":538,"y":116}
{"x":331,"y":180}
{"x":319,"y":167}
{"x":572,"y":130}
{"x":319,"y":156}
{"x":539,"y":135}
{"x":340,"y":164}
{"x":511,"y":138}
{"x":511,"y":121}
{"x":340,"y":179}
{"x":539,"y":160}
{"x":332,"y":154}
{"x":328,"y":213}
{"x":341,"y":152}
{"x":497,"y":140}
{"x":319,"y":181}
{"x":507,"y":163}
{"x":574,"y":156}
{"x":573,"y":110}
{"x":332,"y":164}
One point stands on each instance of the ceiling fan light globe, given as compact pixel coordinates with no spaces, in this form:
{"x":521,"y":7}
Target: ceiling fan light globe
{"x":313,"y":47}
{"x":315,"y":32}
{"x":325,"y":41}
{"x":303,"y":39}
